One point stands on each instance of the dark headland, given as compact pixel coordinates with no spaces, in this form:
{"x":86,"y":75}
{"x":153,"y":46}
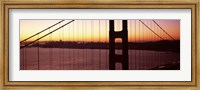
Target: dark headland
{"x":164,"y":45}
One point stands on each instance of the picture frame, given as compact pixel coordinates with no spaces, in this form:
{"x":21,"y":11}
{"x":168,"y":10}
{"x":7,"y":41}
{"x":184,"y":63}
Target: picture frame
{"x":193,"y":5}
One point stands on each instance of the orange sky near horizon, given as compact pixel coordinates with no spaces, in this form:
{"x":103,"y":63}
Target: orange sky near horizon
{"x":98,"y":30}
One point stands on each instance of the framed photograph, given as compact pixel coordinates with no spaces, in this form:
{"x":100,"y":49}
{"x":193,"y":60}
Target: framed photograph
{"x":101,"y":44}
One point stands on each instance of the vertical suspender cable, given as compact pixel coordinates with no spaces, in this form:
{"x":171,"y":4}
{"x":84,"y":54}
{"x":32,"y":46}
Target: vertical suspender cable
{"x":91,"y":45}
{"x":86,"y":41}
{"x":23,"y":53}
{"x":129,"y":40}
{"x":78,"y":31}
{"x":139,"y":48}
{"x":143,"y":61}
{"x":63,"y":47}
{"x":86,"y":44}
{"x":153,"y":55}
{"x":51,"y":42}
{"x":49,"y":51}
{"x":25,"y":66}
{"x":156,"y":53}
{"x":60,"y":48}
{"x":92,"y":55}
{"x":60,"y":32}
{"x":38,"y":54}
{"x":70,"y":41}
{"x":141,"y":66}
{"x":142,"y":41}
{"x":25,"y":58}
{"x":83,"y":43}
{"x":69,"y":50}
{"x":83,"y":34}
{"x":130,"y":30}
{"x":156,"y":56}
{"x":106,"y":45}
{"x":73,"y":49}
{"x":151,"y":40}
{"x":99,"y":46}
{"x":154,"y":46}
{"x":161,"y":48}
{"x":135,"y":45}
{"x":158,"y":46}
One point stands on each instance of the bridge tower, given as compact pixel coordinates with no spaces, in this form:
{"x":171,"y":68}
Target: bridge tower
{"x":123,"y":34}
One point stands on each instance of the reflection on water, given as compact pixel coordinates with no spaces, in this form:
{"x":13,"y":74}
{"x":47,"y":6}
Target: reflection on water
{"x":90,"y":59}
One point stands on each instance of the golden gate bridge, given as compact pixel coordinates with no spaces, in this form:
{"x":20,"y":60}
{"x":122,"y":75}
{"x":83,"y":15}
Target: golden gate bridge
{"x":106,"y":59}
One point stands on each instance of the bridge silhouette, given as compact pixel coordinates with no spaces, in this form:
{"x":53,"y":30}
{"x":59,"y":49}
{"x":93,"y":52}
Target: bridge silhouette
{"x":125,"y":58}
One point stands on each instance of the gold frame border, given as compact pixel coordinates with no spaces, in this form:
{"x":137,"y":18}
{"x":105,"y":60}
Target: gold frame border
{"x":6,"y":5}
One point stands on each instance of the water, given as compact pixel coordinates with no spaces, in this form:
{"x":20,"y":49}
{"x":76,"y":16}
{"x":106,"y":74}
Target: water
{"x":89,"y":59}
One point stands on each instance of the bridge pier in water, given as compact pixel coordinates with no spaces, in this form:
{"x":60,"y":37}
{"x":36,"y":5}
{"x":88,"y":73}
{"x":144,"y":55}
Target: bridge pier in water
{"x":123,"y":34}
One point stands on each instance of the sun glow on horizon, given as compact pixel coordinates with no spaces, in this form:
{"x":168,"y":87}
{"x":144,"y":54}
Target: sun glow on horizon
{"x":98,"y":30}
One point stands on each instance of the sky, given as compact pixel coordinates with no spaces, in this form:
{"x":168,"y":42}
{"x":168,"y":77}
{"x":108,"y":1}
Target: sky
{"x":98,"y":30}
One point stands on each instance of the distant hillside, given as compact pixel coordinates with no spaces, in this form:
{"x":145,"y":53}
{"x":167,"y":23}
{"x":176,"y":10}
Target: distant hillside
{"x":164,"y":45}
{"x":172,"y":46}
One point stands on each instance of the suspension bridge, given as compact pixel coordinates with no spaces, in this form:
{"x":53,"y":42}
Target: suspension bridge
{"x":102,"y":45}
